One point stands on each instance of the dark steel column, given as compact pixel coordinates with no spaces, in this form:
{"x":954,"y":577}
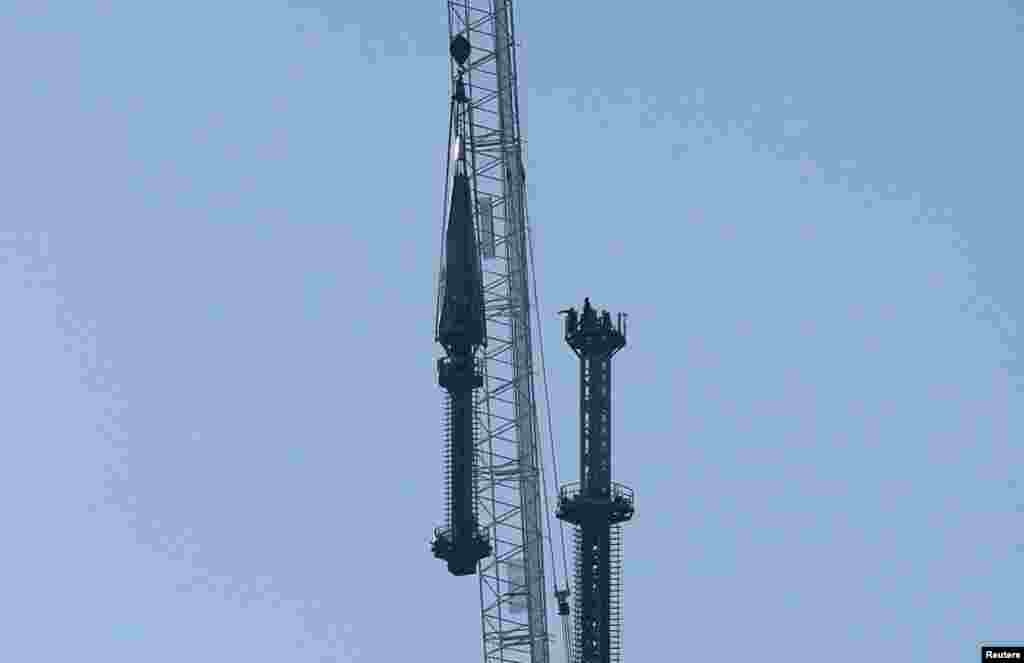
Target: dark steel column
{"x":596,"y":505}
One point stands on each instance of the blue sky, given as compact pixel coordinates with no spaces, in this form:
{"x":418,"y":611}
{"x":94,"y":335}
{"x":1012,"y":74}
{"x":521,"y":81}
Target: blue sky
{"x":222,"y":417}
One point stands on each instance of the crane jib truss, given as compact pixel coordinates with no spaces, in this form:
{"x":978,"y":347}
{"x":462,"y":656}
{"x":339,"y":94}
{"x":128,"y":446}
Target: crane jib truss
{"x":511,"y":579}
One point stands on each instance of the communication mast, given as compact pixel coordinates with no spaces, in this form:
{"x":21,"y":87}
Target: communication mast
{"x":495,"y":502}
{"x":595,"y":504}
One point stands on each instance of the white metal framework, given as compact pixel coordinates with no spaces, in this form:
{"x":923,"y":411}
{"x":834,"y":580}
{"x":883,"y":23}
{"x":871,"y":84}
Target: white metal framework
{"x":512,"y":591}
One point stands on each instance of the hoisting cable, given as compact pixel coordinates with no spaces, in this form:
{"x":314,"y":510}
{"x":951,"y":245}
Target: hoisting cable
{"x":561,"y":595}
{"x":444,"y":207}
{"x":566,"y":630}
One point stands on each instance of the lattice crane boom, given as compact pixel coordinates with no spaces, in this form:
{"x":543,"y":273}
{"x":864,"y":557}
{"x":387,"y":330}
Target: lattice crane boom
{"x":500,"y":529}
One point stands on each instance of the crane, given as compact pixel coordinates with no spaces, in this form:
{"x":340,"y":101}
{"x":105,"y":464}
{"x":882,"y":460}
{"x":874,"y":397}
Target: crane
{"x":496,"y":504}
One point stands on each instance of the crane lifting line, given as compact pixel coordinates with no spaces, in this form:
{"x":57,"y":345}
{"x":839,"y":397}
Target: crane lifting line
{"x":532,"y":268}
{"x":528,"y":231}
{"x":444,"y":205}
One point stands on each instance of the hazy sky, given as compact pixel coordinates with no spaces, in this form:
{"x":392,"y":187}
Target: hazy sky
{"x":222,"y":424}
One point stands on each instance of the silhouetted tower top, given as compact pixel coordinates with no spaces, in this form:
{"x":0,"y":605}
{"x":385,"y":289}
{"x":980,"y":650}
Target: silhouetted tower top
{"x":596,"y":504}
{"x":595,"y":341}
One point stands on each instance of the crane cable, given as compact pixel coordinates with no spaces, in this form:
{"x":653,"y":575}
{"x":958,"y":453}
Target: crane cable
{"x":547,"y":407}
{"x":444,"y":212}
{"x":532,"y":269}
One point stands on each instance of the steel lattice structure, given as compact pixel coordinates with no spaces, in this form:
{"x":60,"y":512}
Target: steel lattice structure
{"x":508,"y":480}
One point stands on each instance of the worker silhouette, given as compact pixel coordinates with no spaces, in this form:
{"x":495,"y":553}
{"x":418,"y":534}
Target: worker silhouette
{"x":589,"y":316}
